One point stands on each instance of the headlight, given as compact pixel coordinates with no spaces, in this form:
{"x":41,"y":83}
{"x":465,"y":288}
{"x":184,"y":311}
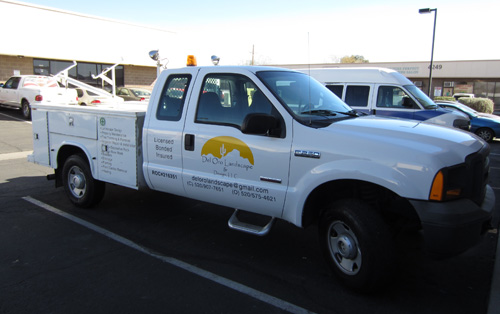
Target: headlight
{"x":449,"y":183}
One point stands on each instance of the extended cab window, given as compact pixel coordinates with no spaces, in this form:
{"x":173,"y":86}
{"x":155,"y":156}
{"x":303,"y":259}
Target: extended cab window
{"x":173,"y":97}
{"x":357,"y":96}
{"x":394,"y":97}
{"x":226,"y":99}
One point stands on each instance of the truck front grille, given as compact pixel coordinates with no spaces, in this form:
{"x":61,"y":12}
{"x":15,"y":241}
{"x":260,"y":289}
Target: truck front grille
{"x":478,"y":167}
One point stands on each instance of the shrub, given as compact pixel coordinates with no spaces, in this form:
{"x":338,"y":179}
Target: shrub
{"x":479,"y":104}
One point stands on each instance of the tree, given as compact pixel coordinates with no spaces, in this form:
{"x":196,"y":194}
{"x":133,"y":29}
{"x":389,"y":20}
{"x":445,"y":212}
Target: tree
{"x":353,"y":59}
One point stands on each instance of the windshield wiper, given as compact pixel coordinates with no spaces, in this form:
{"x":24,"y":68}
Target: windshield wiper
{"x":351,"y":113}
{"x":320,"y":112}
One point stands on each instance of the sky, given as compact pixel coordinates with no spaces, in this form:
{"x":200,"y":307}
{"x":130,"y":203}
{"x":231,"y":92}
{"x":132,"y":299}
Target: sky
{"x":314,"y":31}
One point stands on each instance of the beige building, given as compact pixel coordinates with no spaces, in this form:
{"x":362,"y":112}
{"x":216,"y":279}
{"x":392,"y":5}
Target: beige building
{"x":47,"y":40}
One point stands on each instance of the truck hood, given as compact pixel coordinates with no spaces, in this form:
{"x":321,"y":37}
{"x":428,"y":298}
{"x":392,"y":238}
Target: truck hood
{"x":386,"y":138}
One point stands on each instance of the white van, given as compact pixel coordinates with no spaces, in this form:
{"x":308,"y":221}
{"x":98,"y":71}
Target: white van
{"x":385,"y":92}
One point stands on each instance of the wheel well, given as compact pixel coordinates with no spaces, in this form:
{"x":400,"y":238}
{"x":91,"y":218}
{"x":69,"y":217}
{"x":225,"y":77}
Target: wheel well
{"x":394,"y":209}
{"x":64,"y":153}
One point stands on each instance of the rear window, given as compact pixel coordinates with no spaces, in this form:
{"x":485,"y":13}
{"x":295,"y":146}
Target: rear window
{"x":40,"y":81}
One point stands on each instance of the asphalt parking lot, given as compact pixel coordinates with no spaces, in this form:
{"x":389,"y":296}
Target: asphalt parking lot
{"x":148,"y":252}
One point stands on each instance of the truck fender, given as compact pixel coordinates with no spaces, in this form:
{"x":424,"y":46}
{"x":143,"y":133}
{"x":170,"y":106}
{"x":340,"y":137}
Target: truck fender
{"x":390,"y":178}
{"x":69,"y":148}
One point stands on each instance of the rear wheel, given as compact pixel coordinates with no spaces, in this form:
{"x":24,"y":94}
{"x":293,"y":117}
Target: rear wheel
{"x":357,"y":244}
{"x":82,"y":189}
{"x":485,"y":134}
{"x":26,"y":109}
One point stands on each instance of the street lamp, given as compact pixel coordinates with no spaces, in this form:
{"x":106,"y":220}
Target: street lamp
{"x":425,"y":11}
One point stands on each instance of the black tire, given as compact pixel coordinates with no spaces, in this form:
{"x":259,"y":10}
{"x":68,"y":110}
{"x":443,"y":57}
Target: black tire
{"x":357,"y":244}
{"x":486,"y":134}
{"x":26,"y":109}
{"x":82,"y":189}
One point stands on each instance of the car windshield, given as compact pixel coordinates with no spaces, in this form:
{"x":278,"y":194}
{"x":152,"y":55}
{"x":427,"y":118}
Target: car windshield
{"x":421,"y":97}
{"x":465,"y":109}
{"x":305,"y":98}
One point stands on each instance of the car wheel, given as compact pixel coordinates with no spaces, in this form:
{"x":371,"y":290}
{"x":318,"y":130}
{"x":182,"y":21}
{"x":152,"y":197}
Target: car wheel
{"x":357,"y":244}
{"x":82,"y":189}
{"x":486,"y":134}
{"x":26,"y":109}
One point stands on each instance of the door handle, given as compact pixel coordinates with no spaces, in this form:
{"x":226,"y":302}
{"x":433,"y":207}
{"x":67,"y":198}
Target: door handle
{"x":189,"y":142}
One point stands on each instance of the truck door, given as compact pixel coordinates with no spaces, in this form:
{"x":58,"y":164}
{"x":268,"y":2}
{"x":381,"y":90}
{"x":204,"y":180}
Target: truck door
{"x":221,"y":164}
{"x":163,"y":131}
{"x":393,"y":101}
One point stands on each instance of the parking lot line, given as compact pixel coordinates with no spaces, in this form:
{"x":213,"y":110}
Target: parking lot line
{"x":261,"y":296}
{"x":15,"y":155}
{"x":9,"y":116}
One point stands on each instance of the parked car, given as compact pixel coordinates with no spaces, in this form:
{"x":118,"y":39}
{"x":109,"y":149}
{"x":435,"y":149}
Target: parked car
{"x":462,"y":95}
{"x":486,"y":126}
{"x":132,"y":93}
{"x":90,"y":98}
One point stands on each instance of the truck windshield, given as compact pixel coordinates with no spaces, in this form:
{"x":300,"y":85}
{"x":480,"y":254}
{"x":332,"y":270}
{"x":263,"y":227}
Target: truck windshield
{"x":422,"y":98}
{"x":305,"y":98}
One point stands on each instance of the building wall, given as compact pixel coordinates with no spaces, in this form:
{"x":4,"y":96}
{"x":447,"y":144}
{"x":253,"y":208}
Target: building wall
{"x":11,"y":64}
{"x":139,"y":76}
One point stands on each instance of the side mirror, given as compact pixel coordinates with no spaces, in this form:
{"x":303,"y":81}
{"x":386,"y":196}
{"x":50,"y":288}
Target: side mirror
{"x":408,"y":102}
{"x":260,"y":124}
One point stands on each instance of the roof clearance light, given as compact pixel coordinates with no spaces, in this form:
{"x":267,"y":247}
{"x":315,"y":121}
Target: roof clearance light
{"x":191,"y":61}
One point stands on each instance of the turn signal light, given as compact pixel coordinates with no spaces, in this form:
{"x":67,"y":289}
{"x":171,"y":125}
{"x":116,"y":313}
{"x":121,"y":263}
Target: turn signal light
{"x":437,"y":187}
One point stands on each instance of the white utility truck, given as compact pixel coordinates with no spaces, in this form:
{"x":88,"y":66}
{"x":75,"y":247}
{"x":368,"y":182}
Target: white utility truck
{"x":277,"y":143}
{"x":23,"y":91}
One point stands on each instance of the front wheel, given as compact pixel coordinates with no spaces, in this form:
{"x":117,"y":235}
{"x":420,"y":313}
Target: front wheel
{"x":82,"y":189}
{"x":357,"y":244}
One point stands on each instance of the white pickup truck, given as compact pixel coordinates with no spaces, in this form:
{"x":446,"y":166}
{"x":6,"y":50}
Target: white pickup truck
{"x":277,"y":143}
{"x":25,"y":90}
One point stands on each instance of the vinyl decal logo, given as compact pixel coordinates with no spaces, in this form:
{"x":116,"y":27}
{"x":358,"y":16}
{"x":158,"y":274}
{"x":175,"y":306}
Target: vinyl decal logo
{"x":226,"y":152}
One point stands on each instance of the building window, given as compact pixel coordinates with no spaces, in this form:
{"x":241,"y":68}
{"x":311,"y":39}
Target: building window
{"x":41,"y":67}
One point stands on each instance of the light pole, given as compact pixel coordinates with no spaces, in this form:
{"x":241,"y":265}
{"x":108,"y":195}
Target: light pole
{"x":425,"y":11}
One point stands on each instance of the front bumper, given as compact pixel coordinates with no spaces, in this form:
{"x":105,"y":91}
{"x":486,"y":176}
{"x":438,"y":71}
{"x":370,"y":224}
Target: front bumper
{"x":449,"y":228}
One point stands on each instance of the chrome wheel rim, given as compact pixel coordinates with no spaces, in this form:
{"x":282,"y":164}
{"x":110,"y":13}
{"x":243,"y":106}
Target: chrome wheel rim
{"x":76,"y":182}
{"x":344,"y":248}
